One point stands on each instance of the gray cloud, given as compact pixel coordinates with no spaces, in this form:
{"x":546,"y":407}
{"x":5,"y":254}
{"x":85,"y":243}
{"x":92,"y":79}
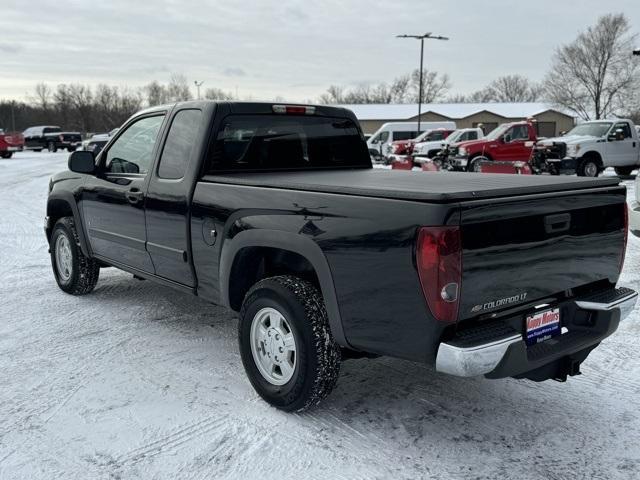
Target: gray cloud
{"x":292,"y":48}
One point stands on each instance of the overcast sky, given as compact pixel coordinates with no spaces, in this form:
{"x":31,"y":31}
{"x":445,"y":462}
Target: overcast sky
{"x":289,"y":48}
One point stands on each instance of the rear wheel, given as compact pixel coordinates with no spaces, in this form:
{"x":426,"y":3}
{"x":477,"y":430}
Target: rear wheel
{"x":6,"y":154}
{"x":623,"y":171}
{"x":51,"y":146}
{"x":286,"y":345}
{"x":74,"y":272}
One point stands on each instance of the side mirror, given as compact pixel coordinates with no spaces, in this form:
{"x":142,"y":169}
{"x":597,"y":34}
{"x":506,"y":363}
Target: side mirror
{"x":82,"y":161}
{"x":506,"y":138}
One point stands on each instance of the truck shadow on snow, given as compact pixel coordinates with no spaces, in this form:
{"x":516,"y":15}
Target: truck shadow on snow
{"x":390,"y":398}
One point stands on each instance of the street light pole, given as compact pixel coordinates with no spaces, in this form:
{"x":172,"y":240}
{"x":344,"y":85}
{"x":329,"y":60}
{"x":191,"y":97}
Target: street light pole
{"x":421,"y":38}
{"x":198,"y":85}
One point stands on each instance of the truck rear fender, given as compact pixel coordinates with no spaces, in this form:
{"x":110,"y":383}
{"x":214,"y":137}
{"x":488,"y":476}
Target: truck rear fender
{"x":243,"y":259}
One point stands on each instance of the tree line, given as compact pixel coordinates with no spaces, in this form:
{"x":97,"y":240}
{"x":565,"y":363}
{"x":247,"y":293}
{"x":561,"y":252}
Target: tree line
{"x":593,"y":76}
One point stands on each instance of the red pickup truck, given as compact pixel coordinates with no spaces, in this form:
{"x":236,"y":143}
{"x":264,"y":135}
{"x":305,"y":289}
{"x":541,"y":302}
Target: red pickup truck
{"x":10,"y":143}
{"x":405,"y":147}
{"x":511,"y":142}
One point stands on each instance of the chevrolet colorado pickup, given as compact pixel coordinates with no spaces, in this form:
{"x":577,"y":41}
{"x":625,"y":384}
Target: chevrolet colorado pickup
{"x":276,"y":212}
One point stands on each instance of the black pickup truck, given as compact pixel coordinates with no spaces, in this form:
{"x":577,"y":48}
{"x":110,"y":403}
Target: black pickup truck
{"x":276,"y":212}
{"x":52,"y":138}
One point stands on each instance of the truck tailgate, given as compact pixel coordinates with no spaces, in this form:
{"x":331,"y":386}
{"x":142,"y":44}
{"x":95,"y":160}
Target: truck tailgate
{"x":528,"y":249}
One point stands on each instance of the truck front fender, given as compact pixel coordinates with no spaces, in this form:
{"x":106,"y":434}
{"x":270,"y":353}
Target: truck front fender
{"x":63,"y":204}
{"x":295,"y":243}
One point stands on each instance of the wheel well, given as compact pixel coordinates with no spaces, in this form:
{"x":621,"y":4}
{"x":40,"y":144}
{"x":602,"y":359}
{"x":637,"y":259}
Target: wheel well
{"x":593,"y":156}
{"x":252,"y":264}
{"x":485,"y":155}
{"x":56,"y":209}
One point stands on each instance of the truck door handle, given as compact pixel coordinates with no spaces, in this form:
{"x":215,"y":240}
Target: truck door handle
{"x":557,"y":223}
{"x":134,"y":196}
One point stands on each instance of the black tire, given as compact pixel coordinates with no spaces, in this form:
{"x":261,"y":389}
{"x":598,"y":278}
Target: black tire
{"x":84,"y":272}
{"x":318,"y":358}
{"x":588,"y":168}
{"x":623,"y":171}
{"x":71,"y":149}
{"x":52,"y":147}
{"x":6,"y":154}
{"x":37,"y":149}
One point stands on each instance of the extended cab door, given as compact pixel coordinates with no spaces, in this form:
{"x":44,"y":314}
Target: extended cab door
{"x":113,"y":201}
{"x":622,"y":146}
{"x":168,"y":202}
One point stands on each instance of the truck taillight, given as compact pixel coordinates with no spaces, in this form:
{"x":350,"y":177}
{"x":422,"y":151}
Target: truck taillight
{"x":626,"y":235}
{"x":439,"y":262}
{"x":294,"y":109}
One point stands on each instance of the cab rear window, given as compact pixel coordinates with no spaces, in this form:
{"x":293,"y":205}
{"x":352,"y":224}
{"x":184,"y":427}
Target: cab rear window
{"x":287,"y":142}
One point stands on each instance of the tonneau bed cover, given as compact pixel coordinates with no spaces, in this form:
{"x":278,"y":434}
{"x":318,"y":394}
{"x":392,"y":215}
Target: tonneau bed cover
{"x":442,"y":187}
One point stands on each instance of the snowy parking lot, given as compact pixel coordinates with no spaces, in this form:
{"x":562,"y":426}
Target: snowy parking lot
{"x":139,"y":381}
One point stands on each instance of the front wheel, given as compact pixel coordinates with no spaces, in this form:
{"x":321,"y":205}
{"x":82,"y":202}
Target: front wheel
{"x":6,"y":154}
{"x":74,"y":272}
{"x":588,"y":168}
{"x":475,"y":164}
{"x":286,"y":345}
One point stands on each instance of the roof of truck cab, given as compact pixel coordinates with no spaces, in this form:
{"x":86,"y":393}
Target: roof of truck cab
{"x":441,"y":187}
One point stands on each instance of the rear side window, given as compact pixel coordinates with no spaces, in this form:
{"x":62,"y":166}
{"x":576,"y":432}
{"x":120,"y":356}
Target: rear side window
{"x":179,"y":144}
{"x":52,"y":130}
{"x":404,"y":135}
{"x":272,"y":142}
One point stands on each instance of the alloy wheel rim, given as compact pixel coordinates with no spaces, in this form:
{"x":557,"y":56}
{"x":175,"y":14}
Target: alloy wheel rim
{"x":590,"y":169}
{"x":64,"y":259}
{"x":273,"y":346}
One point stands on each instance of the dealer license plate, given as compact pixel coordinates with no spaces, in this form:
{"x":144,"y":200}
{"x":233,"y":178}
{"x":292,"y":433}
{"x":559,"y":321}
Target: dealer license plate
{"x":541,"y":326}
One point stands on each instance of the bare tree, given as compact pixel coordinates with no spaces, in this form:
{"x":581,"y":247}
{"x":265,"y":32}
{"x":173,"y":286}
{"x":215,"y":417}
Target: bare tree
{"x":217,"y":94}
{"x":513,"y":88}
{"x":594,"y":74}
{"x":43,"y":96}
{"x":178,"y":89}
{"x":156,"y":93}
{"x":333,"y":95}
{"x":434,"y":85}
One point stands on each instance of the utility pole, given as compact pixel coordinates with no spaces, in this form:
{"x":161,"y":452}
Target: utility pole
{"x":421,"y":38}
{"x":198,"y":85}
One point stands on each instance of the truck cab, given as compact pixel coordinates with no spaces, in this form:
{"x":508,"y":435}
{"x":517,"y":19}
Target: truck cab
{"x":508,"y":142}
{"x":380,"y":142}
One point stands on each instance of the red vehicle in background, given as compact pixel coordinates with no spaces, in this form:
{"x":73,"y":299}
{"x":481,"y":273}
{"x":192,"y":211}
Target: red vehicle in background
{"x":405,"y":147}
{"x":509,"y":142}
{"x":10,"y":143}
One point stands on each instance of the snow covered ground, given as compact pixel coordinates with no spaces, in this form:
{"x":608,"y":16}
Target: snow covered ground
{"x":140,"y":381}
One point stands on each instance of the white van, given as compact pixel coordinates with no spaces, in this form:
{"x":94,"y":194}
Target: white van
{"x":380,"y":142}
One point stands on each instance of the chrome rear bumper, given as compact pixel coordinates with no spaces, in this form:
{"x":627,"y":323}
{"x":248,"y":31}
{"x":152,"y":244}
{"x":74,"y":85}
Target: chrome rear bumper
{"x":483,"y":358}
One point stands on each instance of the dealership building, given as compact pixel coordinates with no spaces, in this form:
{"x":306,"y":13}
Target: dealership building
{"x":549,"y":121}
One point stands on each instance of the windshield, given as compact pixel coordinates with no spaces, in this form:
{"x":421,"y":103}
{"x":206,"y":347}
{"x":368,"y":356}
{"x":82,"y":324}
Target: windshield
{"x":271,"y":142}
{"x":598,"y":129}
{"x":453,"y":138}
{"x":498,"y":131}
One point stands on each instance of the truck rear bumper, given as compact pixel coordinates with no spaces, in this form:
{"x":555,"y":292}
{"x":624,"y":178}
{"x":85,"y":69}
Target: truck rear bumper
{"x":497,"y":350}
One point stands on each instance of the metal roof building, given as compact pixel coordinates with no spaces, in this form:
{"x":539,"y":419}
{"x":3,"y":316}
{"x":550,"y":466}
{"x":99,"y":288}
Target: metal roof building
{"x":550,"y":120}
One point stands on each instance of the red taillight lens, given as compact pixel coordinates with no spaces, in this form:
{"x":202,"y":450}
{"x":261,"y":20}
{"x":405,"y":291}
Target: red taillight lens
{"x":439,"y":261}
{"x":626,"y":235}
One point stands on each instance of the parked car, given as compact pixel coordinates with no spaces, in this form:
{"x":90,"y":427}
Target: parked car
{"x":511,"y":142}
{"x":380,"y":142}
{"x":276,"y":212}
{"x":97,"y":142}
{"x":52,"y":138}
{"x":10,"y":143}
{"x":429,"y":149}
{"x":599,"y":144}
{"x":401,"y":148}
